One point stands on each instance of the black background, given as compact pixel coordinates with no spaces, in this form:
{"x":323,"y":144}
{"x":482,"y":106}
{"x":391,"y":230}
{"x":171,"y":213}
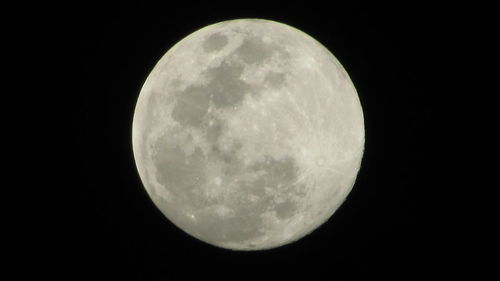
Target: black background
{"x":381,"y":229}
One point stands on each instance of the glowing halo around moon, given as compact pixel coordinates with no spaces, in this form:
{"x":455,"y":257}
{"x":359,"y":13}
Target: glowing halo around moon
{"x":248,"y":134}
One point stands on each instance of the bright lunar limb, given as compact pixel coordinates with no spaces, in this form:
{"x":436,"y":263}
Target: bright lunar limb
{"x":248,"y":134}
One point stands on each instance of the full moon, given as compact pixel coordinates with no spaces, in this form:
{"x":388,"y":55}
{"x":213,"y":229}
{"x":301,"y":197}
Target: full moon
{"x":248,"y":134}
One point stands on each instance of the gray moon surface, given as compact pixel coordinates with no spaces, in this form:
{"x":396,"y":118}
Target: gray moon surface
{"x":248,"y":134}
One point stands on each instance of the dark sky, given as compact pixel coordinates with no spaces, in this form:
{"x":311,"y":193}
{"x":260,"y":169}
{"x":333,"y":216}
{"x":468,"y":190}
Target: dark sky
{"x":389,"y":53}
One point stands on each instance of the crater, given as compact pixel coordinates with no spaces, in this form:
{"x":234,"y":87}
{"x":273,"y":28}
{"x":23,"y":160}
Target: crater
{"x":214,"y":42}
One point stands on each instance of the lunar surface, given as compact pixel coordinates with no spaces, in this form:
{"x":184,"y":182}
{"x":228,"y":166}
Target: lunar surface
{"x":248,"y":134}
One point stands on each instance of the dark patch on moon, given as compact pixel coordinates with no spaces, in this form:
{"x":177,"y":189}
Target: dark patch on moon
{"x":254,"y":50}
{"x":175,"y":83}
{"x":214,"y":42}
{"x":191,"y":107}
{"x":282,"y":175}
{"x":279,"y":175}
{"x":242,"y":226}
{"x":251,"y":200}
{"x":232,"y":165}
{"x":149,"y":114}
{"x":183,"y":175}
{"x":214,"y":131}
{"x":279,"y":172}
{"x":226,"y":88}
{"x":285,"y":209}
{"x":177,"y":171}
{"x":275,"y":79}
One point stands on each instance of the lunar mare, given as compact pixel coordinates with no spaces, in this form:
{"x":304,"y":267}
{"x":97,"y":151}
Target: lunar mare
{"x":248,"y":134}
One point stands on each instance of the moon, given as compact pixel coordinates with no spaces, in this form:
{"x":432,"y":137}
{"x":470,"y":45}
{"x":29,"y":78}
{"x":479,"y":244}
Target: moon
{"x":248,"y":134}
